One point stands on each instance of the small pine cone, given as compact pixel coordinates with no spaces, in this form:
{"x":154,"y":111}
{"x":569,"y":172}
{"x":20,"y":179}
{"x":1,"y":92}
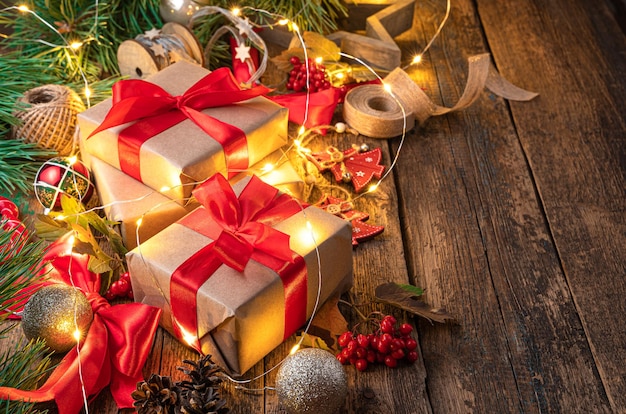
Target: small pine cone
{"x":158,"y":395}
{"x":201,"y":395}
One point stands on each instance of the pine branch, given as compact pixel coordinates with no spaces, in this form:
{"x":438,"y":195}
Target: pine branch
{"x":101,"y":29}
{"x":19,"y":163}
{"x":20,"y":264}
{"x":25,"y":365}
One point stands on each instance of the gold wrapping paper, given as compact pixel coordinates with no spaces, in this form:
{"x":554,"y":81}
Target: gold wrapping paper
{"x":241,"y":315}
{"x":128,"y":200}
{"x":184,"y":154}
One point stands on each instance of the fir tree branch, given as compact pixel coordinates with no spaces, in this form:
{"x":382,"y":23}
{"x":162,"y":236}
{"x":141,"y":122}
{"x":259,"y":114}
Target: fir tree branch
{"x":25,"y":365}
{"x":19,"y":163}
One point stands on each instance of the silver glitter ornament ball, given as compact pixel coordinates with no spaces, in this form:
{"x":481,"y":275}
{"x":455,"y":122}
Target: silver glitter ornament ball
{"x":54,"y":313}
{"x":311,"y":381}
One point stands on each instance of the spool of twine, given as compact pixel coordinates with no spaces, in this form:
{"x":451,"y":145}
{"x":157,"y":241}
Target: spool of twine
{"x":49,"y":117}
{"x":150,"y":52}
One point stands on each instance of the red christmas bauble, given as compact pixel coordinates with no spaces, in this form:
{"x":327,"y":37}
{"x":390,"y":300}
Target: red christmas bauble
{"x":62,"y":176}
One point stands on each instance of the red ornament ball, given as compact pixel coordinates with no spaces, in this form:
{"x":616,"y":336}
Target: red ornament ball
{"x":62,"y":176}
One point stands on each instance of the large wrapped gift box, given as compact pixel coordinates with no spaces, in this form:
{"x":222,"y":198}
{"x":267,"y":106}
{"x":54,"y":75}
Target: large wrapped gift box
{"x":129,"y":202}
{"x":241,"y":316}
{"x":172,"y":160}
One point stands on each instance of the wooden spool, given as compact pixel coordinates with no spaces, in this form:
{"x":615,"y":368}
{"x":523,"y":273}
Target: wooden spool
{"x":137,"y":59}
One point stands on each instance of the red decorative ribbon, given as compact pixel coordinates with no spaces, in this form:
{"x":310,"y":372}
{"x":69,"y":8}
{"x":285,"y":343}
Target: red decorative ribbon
{"x":242,"y":230}
{"x":321,"y":106}
{"x":113,"y":352}
{"x":155,"y":110}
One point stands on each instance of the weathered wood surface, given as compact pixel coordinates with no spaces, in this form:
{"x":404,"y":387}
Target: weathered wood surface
{"x":511,"y":215}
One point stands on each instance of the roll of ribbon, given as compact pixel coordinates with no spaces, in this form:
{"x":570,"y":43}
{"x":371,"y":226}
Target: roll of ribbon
{"x":375,"y":113}
{"x":378,"y":114}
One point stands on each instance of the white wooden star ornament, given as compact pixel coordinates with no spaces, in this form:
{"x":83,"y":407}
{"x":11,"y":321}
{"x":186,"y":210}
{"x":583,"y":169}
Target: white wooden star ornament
{"x":244,"y":27}
{"x":243,"y":52}
{"x":153,"y":33}
{"x":158,"y":50}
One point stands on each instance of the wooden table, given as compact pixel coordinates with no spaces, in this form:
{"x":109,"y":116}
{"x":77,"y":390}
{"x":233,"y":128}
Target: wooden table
{"x":511,"y":215}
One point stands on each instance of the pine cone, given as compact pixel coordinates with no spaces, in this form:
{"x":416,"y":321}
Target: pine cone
{"x":201,"y":395}
{"x":156,"y":396}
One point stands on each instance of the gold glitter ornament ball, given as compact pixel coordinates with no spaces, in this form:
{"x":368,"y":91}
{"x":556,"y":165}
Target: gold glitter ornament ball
{"x":54,"y":313}
{"x":311,"y":381}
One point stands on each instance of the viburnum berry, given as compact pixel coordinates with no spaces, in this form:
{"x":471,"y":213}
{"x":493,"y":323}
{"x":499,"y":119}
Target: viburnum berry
{"x":388,"y":345}
{"x":344,"y":338}
{"x":361,"y":364}
{"x":120,"y":288}
{"x":311,"y":75}
{"x":406,"y":329}
{"x":390,"y":361}
{"x":411,"y":344}
{"x":411,"y":356}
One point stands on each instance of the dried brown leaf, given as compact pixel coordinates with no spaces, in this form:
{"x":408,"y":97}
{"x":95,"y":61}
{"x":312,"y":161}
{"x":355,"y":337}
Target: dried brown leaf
{"x":393,"y":294}
{"x":328,"y":323}
{"x":316,"y":45}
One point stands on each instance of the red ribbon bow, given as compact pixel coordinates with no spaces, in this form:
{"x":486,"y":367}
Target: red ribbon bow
{"x":155,"y":110}
{"x":241,"y":230}
{"x":113,"y":352}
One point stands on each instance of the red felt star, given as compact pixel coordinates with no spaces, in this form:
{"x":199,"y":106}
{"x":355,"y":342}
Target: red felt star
{"x":360,"y":231}
{"x":358,"y":167}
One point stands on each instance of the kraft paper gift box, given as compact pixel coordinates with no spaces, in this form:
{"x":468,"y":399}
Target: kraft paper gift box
{"x":184,"y":153}
{"x":240,"y":316}
{"x":127,"y":200}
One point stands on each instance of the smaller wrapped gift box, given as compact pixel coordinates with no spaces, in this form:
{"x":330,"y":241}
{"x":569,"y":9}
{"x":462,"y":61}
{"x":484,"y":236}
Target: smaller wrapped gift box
{"x":126,"y":200}
{"x":243,"y":132}
{"x":241,"y":316}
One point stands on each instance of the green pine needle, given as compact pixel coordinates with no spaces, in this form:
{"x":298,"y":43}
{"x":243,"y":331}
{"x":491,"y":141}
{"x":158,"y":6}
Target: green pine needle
{"x":19,"y":163}
{"x":25,"y":365}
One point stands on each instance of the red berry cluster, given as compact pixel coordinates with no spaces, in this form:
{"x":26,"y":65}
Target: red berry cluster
{"x":298,"y":76}
{"x":388,"y":344}
{"x":120,"y":288}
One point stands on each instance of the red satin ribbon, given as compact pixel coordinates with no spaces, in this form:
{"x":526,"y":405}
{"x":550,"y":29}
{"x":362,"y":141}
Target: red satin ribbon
{"x":241,"y":228}
{"x":113,"y":352}
{"x":321,"y":106}
{"x":155,"y":110}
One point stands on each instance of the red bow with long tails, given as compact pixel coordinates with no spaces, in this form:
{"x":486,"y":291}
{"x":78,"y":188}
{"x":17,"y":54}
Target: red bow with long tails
{"x":241,"y":230}
{"x":155,"y":110}
{"x":113,"y":352}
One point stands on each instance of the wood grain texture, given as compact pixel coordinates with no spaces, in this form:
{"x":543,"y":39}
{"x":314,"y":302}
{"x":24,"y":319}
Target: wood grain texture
{"x":482,"y":248}
{"x":574,"y":142}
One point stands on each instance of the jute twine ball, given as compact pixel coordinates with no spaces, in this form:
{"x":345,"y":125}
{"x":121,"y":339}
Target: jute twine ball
{"x":49,"y":117}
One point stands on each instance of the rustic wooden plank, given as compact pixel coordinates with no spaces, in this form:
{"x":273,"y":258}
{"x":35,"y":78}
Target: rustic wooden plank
{"x":359,"y":11}
{"x":391,"y":21}
{"x":480,"y":246}
{"x":374,"y":52}
{"x":575,"y":145}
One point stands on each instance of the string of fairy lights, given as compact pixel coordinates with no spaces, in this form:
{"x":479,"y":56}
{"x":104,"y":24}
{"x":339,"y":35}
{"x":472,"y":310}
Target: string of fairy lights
{"x":236,"y":15}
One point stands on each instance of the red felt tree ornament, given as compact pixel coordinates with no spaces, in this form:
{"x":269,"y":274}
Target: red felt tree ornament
{"x":361,"y":231}
{"x":358,"y":165}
